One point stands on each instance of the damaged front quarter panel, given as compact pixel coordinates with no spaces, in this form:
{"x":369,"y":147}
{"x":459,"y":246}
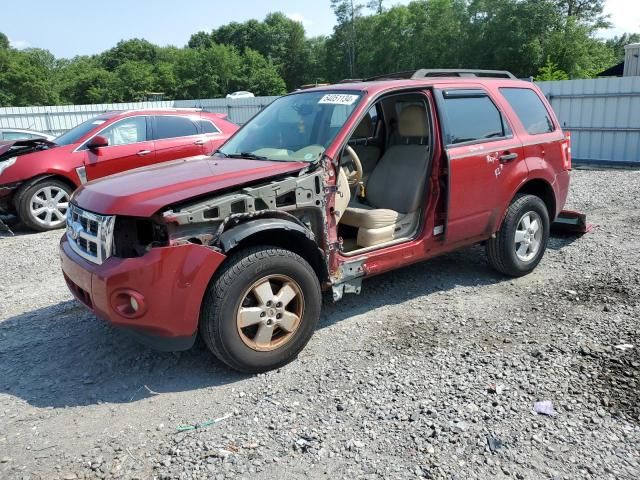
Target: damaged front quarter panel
{"x":291,"y":207}
{"x":293,"y":203}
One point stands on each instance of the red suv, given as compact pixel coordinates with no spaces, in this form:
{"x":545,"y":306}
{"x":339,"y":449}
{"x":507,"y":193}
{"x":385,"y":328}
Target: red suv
{"x":38,"y":176}
{"x":323,"y":188}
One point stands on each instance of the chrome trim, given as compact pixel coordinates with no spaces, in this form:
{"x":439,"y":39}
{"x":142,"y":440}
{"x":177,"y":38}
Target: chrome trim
{"x":82,"y":174}
{"x":92,"y":244}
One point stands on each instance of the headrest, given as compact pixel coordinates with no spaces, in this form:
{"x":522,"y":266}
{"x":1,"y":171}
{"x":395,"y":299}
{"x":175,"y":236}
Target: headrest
{"x":412,"y":122}
{"x":363,"y":130}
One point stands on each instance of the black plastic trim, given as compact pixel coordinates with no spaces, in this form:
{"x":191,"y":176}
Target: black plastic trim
{"x":163,"y":344}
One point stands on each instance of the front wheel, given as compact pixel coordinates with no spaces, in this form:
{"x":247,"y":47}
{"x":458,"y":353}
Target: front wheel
{"x":522,"y":240}
{"x":43,"y":205}
{"x":261,"y":309}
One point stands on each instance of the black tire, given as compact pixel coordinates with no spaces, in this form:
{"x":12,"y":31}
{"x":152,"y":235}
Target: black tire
{"x":218,"y":318}
{"x":501,"y":250}
{"x":24,"y":198}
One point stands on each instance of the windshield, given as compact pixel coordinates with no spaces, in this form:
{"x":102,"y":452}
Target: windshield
{"x":76,"y":133}
{"x":294,"y":128}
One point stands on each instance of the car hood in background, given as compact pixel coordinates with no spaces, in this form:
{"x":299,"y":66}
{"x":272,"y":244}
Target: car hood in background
{"x":142,"y":192}
{"x":16,"y":148}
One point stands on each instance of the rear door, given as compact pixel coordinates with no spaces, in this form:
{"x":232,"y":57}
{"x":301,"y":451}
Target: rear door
{"x":177,"y":137}
{"x":543,"y":139}
{"x":484,"y":154}
{"x":213,"y":135}
{"x":129,"y":147}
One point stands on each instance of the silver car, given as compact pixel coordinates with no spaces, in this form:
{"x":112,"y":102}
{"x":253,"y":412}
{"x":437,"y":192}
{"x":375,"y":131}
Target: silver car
{"x":9,"y":134}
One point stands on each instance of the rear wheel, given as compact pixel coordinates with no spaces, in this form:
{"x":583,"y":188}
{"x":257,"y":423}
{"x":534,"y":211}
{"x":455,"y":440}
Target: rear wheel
{"x":261,"y":309}
{"x":43,"y":205}
{"x":522,"y":240}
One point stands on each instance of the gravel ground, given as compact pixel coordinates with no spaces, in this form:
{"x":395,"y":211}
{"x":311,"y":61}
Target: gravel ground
{"x":432,"y":372}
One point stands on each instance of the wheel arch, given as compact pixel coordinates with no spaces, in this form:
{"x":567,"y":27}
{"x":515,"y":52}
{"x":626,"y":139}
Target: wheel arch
{"x":276,"y":232}
{"x":542,"y":189}
{"x":37,"y":179}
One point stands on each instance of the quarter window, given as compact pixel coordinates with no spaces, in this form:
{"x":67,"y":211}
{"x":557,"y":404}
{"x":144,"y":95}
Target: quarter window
{"x":473,"y":118}
{"x":126,"y":131}
{"x":208,"y":127}
{"x":171,"y":127}
{"x":530,"y":110}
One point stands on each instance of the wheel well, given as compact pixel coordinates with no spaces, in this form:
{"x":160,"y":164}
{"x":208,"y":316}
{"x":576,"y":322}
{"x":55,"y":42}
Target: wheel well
{"x":52,"y":176}
{"x":544,"y":191}
{"x":289,"y":240}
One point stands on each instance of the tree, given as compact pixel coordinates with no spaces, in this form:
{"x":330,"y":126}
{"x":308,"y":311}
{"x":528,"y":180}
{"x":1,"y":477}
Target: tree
{"x":259,"y":75}
{"x":616,"y":44}
{"x":346,"y":32}
{"x":27,"y":77}
{"x":137,"y":50}
{"x":4,"y":41}
{"x":550,"y":71}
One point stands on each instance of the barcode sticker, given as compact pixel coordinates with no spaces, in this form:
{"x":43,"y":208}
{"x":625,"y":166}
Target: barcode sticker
{"x":338,"y":99}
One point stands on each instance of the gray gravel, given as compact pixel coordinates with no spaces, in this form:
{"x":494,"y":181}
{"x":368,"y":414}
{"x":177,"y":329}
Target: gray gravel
{"x":432,"y":372}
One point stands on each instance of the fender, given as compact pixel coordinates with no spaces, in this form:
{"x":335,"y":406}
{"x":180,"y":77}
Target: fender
{"x":544,"y":177}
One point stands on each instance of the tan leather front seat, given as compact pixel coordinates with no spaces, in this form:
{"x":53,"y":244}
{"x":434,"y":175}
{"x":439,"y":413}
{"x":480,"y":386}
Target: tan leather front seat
{"x":367,"y":153}
{"x":395,"y":190}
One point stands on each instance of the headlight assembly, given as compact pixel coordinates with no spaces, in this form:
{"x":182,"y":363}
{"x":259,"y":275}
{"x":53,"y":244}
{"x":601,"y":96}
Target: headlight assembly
{"x":4,"y":164}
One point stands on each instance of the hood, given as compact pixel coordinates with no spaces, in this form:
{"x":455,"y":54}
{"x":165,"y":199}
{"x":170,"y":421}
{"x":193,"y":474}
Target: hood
{"x":16,"y":148}
{"x":142,"y":192}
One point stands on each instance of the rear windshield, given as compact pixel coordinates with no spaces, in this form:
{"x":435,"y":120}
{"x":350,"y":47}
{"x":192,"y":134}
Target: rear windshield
{"x":76,"y":133}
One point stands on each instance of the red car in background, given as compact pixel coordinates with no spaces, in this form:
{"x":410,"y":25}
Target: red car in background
{"x":37,"y":176}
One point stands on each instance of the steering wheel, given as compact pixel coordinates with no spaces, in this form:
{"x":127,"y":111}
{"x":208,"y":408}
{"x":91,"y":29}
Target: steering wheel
{"x":353,"y":176}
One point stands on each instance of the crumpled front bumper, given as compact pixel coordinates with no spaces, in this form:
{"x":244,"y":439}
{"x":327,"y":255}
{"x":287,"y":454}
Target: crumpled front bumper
{"x":170,"y":281}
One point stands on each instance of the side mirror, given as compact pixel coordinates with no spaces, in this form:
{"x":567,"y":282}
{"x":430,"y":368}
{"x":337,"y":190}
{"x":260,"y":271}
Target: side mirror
{"x":97,"y":142}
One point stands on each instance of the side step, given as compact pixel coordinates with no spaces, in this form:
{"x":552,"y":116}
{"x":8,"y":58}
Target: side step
{"x":571,"y":222}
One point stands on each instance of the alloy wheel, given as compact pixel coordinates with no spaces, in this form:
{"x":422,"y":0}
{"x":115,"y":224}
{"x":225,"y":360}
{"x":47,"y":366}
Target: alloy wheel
{"x":528,"y":236}
{"x":267,"y":320}
{"x":49,"y":205}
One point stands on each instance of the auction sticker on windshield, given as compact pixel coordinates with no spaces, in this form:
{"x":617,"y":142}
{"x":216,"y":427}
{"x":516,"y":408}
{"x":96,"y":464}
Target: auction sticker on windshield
{"x":339,"y":99}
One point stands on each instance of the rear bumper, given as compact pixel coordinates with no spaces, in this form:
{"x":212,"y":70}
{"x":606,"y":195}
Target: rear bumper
{"x":562,"y":191}
{"x":169,"y":282}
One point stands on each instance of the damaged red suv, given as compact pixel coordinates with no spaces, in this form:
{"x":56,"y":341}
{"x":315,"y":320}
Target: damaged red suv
{"x":322,"y":189}
{"x":37,"y":176}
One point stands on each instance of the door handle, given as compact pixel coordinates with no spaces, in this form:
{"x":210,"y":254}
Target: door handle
{"x":142,"y":153}
{"x":507,"y":157}
{"x":200,"y":142}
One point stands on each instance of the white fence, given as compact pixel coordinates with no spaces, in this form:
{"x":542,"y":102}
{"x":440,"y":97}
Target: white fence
{"x":603,"y":116}
{"x":60,"y":118}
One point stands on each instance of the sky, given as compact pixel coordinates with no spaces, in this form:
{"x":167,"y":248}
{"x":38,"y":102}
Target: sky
{"x":80,"y":27}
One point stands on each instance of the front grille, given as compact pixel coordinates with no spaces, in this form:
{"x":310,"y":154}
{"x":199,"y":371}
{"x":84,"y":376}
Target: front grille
{"x":90,"y":235}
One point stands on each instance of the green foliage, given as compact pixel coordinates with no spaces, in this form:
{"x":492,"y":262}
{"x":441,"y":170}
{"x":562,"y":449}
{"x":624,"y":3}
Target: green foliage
{"x":552,"y":39}
{"x":550,"y":71}
{"x":4,"y":41}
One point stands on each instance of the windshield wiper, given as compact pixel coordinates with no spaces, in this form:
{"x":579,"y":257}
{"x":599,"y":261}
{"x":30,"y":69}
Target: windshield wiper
{"x":247,"y":155}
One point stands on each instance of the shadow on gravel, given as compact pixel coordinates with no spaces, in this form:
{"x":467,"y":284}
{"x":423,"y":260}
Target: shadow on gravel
{"x":558,"y":241}
{"x":62,"y":355}
{"x":464,"y":268}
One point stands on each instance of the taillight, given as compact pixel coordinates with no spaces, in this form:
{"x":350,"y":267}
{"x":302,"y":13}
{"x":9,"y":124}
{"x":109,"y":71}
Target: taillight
{"x":566,"y":151}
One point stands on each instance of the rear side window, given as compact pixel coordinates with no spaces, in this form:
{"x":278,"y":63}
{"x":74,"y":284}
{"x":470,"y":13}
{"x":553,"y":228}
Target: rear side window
{"x":208,"y":127}
{"x":171,"y":127}
{"x":530,"y":110}
{"x":472,"y":118}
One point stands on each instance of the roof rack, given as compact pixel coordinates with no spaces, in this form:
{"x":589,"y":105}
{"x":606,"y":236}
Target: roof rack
{"x":443,"y":72}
